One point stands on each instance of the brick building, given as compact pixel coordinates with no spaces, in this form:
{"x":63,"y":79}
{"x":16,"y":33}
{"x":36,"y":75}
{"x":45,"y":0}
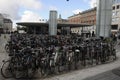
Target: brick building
{"x":88,"y":16}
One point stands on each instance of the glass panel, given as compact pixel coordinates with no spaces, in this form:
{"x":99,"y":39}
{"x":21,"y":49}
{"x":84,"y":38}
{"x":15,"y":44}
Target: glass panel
{"x":113,"y":7}
{"x":113,"y":13}
{"x":118,"y":6}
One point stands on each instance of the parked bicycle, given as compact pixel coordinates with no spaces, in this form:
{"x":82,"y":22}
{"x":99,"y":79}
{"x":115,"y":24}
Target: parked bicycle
{"x":54,"y":54}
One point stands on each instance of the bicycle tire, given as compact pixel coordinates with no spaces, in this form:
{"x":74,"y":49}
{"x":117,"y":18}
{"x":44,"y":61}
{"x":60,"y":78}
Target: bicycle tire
{"x":17,"y":69}
{"x":7,"y":73}
{"x":7,"y":48}
{"x":31,"y":72}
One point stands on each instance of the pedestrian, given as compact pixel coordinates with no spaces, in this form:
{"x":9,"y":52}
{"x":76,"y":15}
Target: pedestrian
{"x":93,"y":34}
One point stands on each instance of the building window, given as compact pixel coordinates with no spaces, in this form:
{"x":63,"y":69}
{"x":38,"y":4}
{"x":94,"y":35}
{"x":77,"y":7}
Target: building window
{"x":113,"y":19}
{"x":117,"y":12}
{"x":117,"y":19}
{"x":114,"y":27}
{"x":118,"y":6}
{"x":113,"y":7}
{"x":113,"y":13}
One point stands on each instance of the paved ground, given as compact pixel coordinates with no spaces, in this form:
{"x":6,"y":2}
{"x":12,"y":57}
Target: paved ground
{"x":3,"y":54}
{"x":99,"y":72}
{"x":88,"y":72}
{"x":109,"y":75}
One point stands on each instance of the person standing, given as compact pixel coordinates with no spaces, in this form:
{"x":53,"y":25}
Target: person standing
{"x":93,"y":34}
{"x":118,"y":37}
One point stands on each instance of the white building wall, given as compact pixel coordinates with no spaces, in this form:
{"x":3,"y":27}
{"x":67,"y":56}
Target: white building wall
{"x":116,"y":15}
{"x":8,"y":27}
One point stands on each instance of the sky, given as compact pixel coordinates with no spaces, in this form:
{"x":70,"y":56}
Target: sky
{"x":34,"y":10}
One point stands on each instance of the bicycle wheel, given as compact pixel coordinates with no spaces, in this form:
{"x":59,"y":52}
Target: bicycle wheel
{"x":6,"y":70}
{"x":43,"y":71}
{"x":31,"y":72}
{"x":17,"y":70}
{"x":7,"y":48}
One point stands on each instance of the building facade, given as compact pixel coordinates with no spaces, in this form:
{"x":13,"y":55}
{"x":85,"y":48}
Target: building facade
{"x":61,"y":20}
{"x":87,"y":17}
{"x":116,"y":16}
{"x":5,"y":24}
{"x":1,"y":23}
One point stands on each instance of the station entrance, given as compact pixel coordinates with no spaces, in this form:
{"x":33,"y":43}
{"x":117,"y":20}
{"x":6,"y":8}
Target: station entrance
{"x":43,"y":28}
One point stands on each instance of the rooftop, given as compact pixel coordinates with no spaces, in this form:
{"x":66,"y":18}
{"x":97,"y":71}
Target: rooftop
{"x":38,"y":24}
{"x":86,"y":11}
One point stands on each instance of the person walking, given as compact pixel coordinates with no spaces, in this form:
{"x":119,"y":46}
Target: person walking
{"x":93,"y":34}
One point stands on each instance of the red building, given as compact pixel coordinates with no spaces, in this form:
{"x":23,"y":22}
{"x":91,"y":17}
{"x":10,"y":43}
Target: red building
{"x":88,"y":17}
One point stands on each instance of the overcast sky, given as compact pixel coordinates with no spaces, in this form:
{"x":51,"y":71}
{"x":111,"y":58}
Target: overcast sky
{"x":34,"y":10}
